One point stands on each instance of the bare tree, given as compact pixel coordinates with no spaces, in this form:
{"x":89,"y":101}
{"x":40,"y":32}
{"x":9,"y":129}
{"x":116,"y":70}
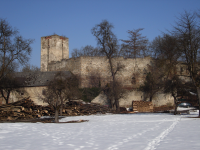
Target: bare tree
{"x":188,"y":33}
{"x":166,"y":47}
{"x":108,"y":46}
{"x":88,"y":50}
{"x":166,"y":53}
{"x":163,"y":75}
{"x":13,"y":48}
{"x":137,"y":45}
{"x":30,"y":68}
{"x":61,"y":89}
{"x":113,"y":91}
{"x":9,"y":84}
{"x":153,"y":81}
{"x":172,"y":85}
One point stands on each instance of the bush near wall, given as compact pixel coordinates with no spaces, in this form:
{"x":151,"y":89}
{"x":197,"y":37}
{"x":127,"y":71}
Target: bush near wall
{"x":90,"y":93}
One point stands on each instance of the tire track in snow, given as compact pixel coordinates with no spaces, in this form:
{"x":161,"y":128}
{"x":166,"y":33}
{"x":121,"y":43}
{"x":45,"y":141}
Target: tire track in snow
{"x":158,"y":139}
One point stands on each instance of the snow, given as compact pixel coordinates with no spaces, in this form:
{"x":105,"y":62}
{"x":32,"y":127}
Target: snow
{"x":145,"y":131}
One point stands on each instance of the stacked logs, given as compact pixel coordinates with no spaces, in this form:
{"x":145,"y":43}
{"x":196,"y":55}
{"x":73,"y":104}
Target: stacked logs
{"x":78,"y":108}
{"x":163,"y":108}
{"x":142,"y":106}
{"x":23,"y":109}
{"x":26,"y":109}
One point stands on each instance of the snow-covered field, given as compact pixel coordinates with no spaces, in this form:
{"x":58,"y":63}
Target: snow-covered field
{"x":105,"y":132}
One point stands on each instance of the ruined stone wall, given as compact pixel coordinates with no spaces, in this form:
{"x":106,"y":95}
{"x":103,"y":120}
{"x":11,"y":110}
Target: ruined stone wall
{"x":91,"y":69}
{"x":94,"y":69}
{"x":35,"y":93}
{"x":132,"y":74}
{"x":14,"y":96}
{"x":182,"y":70}
{"x":32,"y":92}
{"x":55,"y":57}
{"x":72,"y":64}
{"x":53,"y":48}
{"x":158,"y":99}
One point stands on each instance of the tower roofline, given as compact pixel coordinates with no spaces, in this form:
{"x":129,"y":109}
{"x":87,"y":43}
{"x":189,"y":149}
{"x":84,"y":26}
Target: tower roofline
{"x":55,"y":35}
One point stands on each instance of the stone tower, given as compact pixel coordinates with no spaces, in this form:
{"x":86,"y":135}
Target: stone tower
{"x":53,"y":48}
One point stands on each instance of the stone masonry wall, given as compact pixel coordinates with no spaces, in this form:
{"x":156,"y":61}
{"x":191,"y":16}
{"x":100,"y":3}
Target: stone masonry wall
{"x":158,"y":99}
{"x":53,"y":48}
{"x":72,"y":64}
{"x":88,"y":67}
{"x":132,"y":75}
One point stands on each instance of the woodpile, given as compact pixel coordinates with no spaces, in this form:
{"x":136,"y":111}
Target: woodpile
{"x":78,"y":108}
{"x":142,"y":106}
{"x":163,"y":108}
{"x":123,"y":110}
{"x":26,"y":109}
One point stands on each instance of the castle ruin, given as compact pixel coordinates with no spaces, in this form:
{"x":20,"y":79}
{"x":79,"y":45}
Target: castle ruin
{"x":55,"y":57}
{"x":94,"y":71}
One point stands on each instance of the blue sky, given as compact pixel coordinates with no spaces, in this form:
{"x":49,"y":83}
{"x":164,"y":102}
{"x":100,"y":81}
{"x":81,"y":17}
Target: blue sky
{"x":75,"y":18}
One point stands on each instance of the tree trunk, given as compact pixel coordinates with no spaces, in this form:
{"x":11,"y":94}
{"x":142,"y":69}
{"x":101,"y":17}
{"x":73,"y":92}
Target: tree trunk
{"x":175,"y":107}
{"x":5,"y":97}
{"x":117,"y":105}
{"x":198,"y":93}
{"x":61,"y":109}
{"x":56,"y":114}
{"x":60,"y":101}
{"x":151,"y":98}
{"x":116,"y":101}
{"x":8,"y":95}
